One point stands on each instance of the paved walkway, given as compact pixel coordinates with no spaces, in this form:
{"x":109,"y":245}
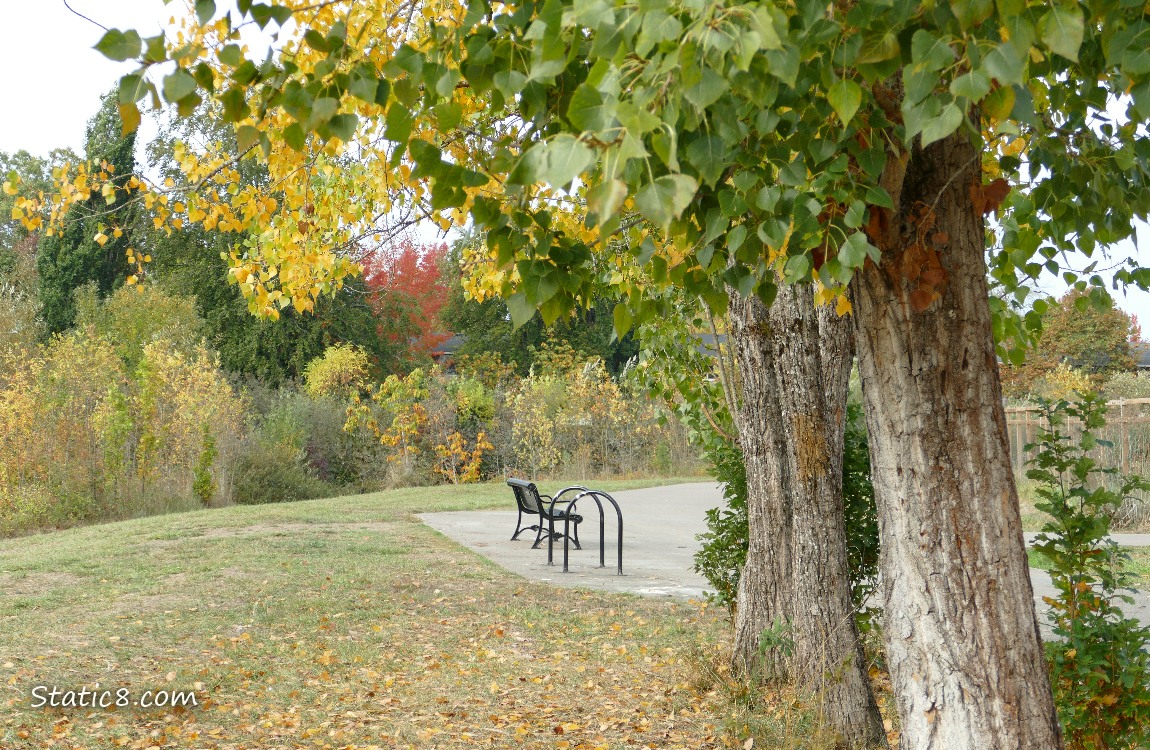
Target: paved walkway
{"x":659,"y":530}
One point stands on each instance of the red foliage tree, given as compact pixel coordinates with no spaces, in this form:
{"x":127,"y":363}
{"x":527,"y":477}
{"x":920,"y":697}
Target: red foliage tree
{"x":404,"y":281}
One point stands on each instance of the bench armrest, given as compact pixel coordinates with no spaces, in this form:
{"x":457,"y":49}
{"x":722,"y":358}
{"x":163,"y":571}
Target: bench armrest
{"x":565,"y":490}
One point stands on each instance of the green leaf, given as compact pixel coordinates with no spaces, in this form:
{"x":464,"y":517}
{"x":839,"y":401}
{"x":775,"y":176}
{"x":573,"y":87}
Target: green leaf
{"x":448,"y":115}
{"x":940,"y":127}
{"x":878,"y":49}
{"x":970,"y":13}
{"x":878,"y":196}
{"x":178,"y":85}
{"x":845,"y":97}
{"x":707,"y":154}
{"x":1006,"y":63}
{"x":605,"y":199}
{"x":235,"y":106}
{"x":666,"y":198}
{"x":295,"y":137}
{"x":1129,"y":49}
{"x":973,"y":85}
{"x":564,"y":158}
{"x":343,"y":126}
{"x":398,"y":123}
{"x":593,"y":12}
{"x":205,"y":9}
{"x":132,"y":89}
{"x":854,"y":251}
{"x":541,"y":288}
{"x":590,"y":110}
{"x":666,"y":146}
{"x":118,"y":45}
{"x":1061,"y":29}
{"x":658,"y":26}
{"x":784,"y":64}
{"x":622,"y":316}
{"x":708,"y":90}
{"x":316,"y":40}
{"x":246,"y":137}
{"x":929,"y":51}
{"x":521,"y":310}
{"x":231,"y":55}
{"x":322,"y":110}
{"x":796,"y":268}
{"x":261,"y":14}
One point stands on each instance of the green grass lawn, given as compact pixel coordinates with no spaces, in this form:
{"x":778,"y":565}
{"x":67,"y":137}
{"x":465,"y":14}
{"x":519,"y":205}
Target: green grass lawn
{"x":343,"y":623}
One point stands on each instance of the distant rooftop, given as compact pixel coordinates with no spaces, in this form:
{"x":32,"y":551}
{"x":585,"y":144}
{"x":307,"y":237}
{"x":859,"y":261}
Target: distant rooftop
{"x":1141,"y":354}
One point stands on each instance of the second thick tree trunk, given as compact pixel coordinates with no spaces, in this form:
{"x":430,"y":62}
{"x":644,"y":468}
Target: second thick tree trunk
{"x":961,"y":634}
{"x":795,"y":362}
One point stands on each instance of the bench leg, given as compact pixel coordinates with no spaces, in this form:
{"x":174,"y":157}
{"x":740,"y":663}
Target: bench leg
{"x":520,"y":528}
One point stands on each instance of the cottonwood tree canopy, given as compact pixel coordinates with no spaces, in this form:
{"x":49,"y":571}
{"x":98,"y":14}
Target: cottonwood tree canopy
{"x":754,"y":137}
{"x":724,"y":149}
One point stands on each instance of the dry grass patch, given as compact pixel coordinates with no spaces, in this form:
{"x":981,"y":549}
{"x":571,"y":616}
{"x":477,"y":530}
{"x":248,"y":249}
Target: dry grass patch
{"x":343,"y":623}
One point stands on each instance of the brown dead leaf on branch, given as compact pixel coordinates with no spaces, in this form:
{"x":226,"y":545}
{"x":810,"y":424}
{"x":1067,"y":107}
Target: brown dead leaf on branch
{"x":987,"y":198}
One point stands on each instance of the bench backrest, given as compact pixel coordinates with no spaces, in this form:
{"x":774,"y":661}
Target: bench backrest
{"x":526,"y":495}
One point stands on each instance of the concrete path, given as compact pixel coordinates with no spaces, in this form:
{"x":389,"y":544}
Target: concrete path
{"x":659,"y":529}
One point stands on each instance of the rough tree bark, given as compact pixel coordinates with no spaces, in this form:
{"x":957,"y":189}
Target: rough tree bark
{"x":961,"y":632}
{"x":795,"y":364}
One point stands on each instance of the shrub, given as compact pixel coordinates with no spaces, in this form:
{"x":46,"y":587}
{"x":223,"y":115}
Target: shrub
{"x":134,"y":316}
{"x":1099,"y":662}
{"x":274,"y":471}
{"x":1127,"y":385}
{"x":341,"y":372}
{"x":106,"y":443}
{"x":723,"y":552}
{"x":859,"y":512}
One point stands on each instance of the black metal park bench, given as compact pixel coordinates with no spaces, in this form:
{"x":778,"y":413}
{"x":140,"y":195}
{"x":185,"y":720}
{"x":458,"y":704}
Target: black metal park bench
{"x":532,"y":506}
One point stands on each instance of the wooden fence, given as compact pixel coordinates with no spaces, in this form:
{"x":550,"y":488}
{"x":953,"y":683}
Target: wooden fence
{"x":1127,"y":428}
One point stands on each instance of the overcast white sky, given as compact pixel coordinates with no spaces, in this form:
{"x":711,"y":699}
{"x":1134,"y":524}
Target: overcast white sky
{"x":53,"y":79}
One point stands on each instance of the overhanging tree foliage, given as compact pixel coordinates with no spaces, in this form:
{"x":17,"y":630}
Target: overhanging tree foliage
{"x":728,"y":149}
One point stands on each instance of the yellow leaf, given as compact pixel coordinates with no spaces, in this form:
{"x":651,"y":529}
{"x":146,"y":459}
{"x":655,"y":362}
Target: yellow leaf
{"x":101,"y":239}
{"x":8,"y":188}
{"x":843,"y":306}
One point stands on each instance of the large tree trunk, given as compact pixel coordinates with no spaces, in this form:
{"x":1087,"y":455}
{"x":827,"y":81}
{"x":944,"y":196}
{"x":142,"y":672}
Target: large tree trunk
{"x":795,"y":364}
{"x":961,"y":633}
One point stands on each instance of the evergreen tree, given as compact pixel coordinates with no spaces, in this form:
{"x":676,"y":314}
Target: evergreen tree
{"x":73,"y":257}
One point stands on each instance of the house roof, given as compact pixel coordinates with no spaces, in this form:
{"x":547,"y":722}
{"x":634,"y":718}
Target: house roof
{"x":1141,"y":353}
{"x":449,"y":346}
